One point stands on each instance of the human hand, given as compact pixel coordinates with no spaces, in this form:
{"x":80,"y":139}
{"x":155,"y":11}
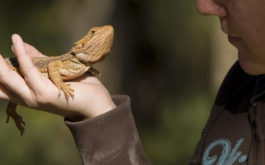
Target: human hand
{"x":33,"y":90}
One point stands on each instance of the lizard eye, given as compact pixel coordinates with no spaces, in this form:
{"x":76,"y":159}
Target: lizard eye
{"x":93,"y":31}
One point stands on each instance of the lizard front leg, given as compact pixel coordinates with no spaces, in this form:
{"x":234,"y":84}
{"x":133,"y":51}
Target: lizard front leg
{"x":55,"y":76}
{"x":11,"y":112}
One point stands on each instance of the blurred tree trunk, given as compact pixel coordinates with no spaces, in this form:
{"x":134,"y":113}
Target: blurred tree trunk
{"x":139,"y":63}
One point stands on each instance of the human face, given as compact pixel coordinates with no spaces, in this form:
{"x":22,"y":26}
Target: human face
{"x":244,"y":23}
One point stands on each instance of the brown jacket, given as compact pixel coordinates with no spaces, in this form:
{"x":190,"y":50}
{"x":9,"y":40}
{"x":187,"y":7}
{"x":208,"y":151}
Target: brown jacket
{"x":234,"y":133}
{"x":111,"y":138}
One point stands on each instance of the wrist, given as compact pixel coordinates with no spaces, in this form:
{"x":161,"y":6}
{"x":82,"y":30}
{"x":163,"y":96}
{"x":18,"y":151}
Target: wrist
{"x":103,"y":109}
{"x":87,"y":113}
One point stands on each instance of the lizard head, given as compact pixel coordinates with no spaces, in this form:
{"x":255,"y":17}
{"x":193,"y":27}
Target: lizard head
{"x":94,"y":46}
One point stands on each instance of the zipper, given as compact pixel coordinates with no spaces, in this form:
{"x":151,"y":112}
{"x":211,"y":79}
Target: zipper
{"x":252,"y":150}
{"x":256,"y":152}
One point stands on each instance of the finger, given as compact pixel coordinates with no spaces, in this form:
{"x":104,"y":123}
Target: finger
{"x":32,"y":51}
{"x":4,"y":93}
{"x":29,"y":71}
{"x":11,"y":82}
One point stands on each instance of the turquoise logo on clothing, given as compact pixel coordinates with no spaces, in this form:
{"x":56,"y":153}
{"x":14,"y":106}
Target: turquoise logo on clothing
{"x":227,"y":156}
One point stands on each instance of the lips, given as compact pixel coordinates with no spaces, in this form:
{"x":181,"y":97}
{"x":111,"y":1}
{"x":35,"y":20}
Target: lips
{"x":234,"y":40}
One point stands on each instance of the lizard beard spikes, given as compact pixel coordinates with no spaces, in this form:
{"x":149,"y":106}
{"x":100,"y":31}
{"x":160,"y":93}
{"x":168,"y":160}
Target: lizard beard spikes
{"x":96,"y":46}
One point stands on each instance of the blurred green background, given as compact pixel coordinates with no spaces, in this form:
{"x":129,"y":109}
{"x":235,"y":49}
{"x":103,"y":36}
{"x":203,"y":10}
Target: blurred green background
{"x":166,"y":57}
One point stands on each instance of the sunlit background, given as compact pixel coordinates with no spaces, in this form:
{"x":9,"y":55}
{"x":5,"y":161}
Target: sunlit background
{"x":166,"y":57}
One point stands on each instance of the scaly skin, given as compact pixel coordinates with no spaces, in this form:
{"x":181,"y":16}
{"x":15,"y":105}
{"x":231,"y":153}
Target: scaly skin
{"x":92,"y":48}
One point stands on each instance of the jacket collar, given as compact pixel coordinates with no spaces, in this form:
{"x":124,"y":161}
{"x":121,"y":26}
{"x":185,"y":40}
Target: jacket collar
{"x":236,"y":86}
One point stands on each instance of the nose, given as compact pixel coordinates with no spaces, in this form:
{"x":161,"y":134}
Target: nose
{"x":210,"y":7}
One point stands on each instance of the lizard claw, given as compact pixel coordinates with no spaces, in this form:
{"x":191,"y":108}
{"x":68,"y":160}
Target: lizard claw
{"x":67,"y":90}
{"x":11,"y":112}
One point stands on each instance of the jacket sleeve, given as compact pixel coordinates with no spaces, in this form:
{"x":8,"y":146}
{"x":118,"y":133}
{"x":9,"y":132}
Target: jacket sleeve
{"x":111,"y":138}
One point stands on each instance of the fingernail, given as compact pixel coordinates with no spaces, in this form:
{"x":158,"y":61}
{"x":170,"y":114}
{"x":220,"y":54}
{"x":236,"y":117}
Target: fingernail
{"x":14,"y":38}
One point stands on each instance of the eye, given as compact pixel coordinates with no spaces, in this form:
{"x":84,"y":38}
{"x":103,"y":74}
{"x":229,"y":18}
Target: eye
{"x":93,"y":31}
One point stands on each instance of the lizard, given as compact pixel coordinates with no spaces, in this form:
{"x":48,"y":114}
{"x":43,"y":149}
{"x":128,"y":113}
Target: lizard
{"x":92,"y":48}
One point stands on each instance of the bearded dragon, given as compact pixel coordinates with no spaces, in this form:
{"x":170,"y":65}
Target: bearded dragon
{"x":92,"y":48}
